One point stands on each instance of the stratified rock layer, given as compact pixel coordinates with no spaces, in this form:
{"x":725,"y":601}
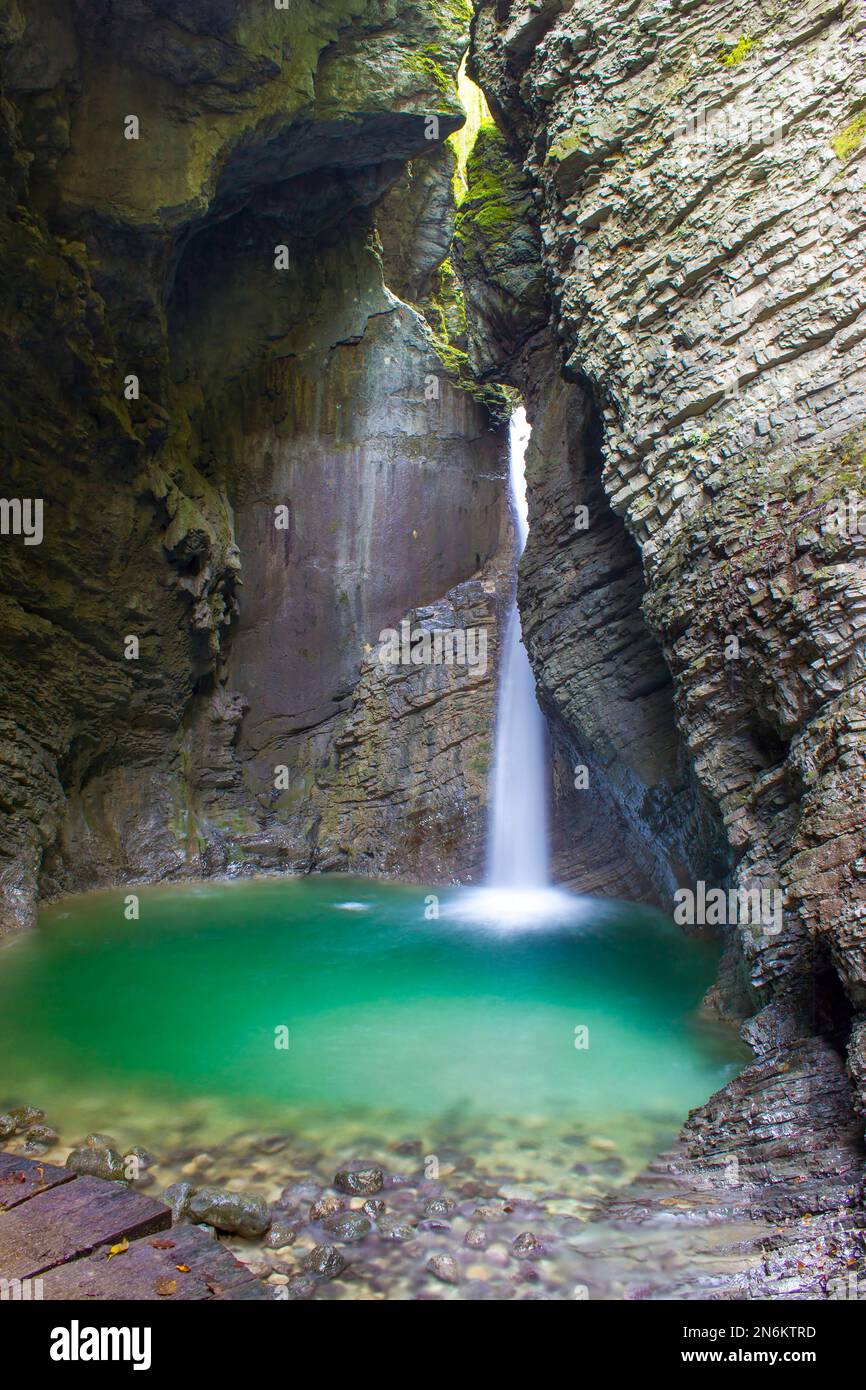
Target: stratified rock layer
{"x":698,"y":176}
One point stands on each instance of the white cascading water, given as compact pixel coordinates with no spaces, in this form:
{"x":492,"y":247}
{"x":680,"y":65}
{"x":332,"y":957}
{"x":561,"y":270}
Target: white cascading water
{"x":518,"y":847}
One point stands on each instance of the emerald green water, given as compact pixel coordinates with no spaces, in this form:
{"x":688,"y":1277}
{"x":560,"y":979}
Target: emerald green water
{"x":395,"y":1024}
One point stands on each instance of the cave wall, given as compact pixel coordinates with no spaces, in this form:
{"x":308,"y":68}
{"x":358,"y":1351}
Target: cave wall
{"x":309,"y":387}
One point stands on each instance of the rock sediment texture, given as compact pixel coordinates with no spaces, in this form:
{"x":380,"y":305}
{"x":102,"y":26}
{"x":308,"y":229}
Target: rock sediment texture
{"x":313,"y":388}
{"x":698,"y":175}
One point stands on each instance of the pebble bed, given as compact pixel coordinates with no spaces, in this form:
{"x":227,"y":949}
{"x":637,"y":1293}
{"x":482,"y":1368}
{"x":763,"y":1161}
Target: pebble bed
{"x":489,"y":1210}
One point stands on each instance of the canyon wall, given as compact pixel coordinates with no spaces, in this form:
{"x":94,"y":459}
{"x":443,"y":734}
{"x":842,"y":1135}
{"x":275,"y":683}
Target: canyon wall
{"x":695,"y":173}
{"x":253,"y":454}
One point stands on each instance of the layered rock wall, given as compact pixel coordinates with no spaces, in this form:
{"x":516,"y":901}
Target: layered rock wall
{"x":696,"y":172}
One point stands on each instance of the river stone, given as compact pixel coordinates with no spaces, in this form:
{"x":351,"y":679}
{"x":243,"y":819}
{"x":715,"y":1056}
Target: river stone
{"x":434,"y":1223}
{"x":100,"y":1141}
{"x":374,"y":1207}
{"x":177,"y":1196}
{"x":439,"y":1206}
{"x":301,"y":1286}
{"x":26,"y":1115}
{"x":477,"y":1238}
{"x":347,"y":1226}
{"x":298,"y":1194}
{"x":359,"y":1182}
{"x":325,"y":1262}
{"x":271,"y":1143}
{"x":97,"y":1163}
{"x":281,"y":1232}
{"x":393,"y":1228}
{"x":241,"y":1213}
{"x":7,"y":1126}
{"x":42,"y":1134}
{"x":527,"y":1246}
{"x":487,"y":1213}
{"x":144,"y":1158}
{"x":412,"y":1148}
{"x":397,"y":1180}
{"x":327,"y":1206}
{"x":444,"y":1268}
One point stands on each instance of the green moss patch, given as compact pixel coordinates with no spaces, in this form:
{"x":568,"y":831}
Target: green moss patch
{"x":849,"y":140}
{"x":494,"y":200}
{"x":741,"y":50}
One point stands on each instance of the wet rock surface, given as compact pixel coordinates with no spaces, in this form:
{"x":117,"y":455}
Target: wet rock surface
{"x":699,"y":404}
{"x":359,"y":1181}
{"x":741,"y":1207}
{"x":237,"y":1212}
{"x":96,"y":1162}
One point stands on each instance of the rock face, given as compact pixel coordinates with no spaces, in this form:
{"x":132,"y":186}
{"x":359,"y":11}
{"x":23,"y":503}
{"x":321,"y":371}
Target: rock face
{"x":252,"y":455}
{"x":699,"y":387}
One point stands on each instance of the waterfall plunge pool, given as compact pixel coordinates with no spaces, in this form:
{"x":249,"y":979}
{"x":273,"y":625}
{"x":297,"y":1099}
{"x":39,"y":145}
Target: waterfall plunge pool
{"x":549,"y":1059}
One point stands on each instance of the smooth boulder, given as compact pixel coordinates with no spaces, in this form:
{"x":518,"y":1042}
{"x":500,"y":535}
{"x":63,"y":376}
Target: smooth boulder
{"x":239,"y":1213}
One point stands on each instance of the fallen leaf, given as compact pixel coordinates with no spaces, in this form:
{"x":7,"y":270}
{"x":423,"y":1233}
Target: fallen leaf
{"x":165,"y":1287}
{"x":162,"y":1244}
{"x":119,"y":1249}
{"x":184,"y":1269}
{"x":14,"y":1177}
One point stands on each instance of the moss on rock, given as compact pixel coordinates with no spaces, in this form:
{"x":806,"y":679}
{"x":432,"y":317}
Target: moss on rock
{"x":848,"y":141}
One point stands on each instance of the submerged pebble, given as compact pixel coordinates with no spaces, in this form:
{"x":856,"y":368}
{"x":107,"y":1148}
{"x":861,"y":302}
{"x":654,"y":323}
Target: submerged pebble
{"x":527,"y":1246}
{"x":392,"y":1228}
{"x":325,"y":1261}
{"x":281,"y":1233}
{"x":327,"y":1206}
{"x":439,"y":1206}
{"x":301,"y":1286}
{"x":100,"y":1141}
{"x":359,"y":1182}
{"x":42,"y":1134}
{"x":347,"y":1226}
{"x":444,"y":1268}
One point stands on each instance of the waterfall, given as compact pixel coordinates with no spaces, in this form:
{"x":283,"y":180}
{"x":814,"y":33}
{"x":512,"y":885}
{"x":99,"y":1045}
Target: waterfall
{"x":518,"y":851}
